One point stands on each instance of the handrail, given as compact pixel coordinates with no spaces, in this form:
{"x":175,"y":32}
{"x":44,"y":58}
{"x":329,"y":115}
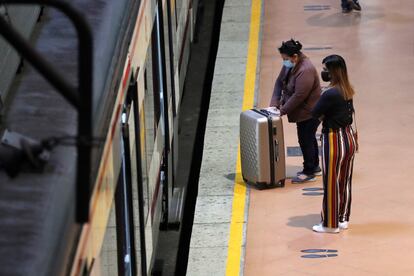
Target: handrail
{"x":80,"y":99}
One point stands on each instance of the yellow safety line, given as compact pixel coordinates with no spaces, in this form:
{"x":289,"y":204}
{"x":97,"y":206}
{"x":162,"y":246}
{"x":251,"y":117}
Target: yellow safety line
{"x":239,"y":197}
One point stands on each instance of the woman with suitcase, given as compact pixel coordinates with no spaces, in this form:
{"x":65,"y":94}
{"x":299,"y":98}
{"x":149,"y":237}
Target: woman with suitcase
{"x":296,"y":91}
{"x":335,"y":109}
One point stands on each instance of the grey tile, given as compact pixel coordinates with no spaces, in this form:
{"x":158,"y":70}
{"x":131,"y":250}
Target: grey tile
{"x":213,"y":209}
{"x":218,"y":171}
{"x":236,"y":14}
{"x":234,"y":31}
{"x":232,"y":49}
{"x":207,"y":261}
{"x":221,"y":161}
{"x":217,"y":174}
{"x":213,"y":187}
{"x":229,"y":82}
{"x":228,"y":117}
{"x":230,"y":65}
{"x":221,"y":137}
{"x":231,"y":3}
{"x":210,"y":235}
{"x":226,"y":99}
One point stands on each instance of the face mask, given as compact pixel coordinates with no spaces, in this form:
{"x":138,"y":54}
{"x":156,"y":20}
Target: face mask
{"x":326,"y":76}
{"x":288,"y":64}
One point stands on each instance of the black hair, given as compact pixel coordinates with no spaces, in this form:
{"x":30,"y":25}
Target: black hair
{"x":290,"y":48}
{"x":334,"y":61}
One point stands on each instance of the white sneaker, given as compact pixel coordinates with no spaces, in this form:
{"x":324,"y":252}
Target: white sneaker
{"x":343,"y":225}
{"x":321,"y":229}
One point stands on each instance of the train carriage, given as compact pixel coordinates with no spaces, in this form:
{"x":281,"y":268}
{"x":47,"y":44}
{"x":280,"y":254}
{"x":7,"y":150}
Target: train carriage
{"x":141,"y":54}
{"x":139,"y":174}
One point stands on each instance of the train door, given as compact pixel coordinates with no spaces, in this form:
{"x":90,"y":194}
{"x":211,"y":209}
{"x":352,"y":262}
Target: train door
{"x":167,"y":30}
{"x":129,"y":195}
{"x":161,"y":52}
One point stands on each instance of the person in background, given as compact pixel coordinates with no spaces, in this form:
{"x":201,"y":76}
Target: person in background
{"x":349,"y":5}
{"x":296,"y":91}
{"x":335,"y":109}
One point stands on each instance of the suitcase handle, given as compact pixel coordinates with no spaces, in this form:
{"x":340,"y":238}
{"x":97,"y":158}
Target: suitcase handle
{"x":276,"y":150}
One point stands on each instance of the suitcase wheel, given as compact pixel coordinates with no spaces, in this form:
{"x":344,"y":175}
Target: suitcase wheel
{"x":281,"y":183}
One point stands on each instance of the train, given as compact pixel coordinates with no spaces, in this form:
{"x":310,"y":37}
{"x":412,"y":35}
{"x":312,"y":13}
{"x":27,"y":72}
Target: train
{"x":141,"y":53}
{"x":134,"y":193}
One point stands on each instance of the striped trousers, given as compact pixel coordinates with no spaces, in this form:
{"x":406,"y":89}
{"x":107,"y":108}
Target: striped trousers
{"x":338,"y":151}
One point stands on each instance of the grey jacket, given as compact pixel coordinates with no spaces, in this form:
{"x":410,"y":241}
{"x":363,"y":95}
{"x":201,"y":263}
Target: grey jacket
{"x":297,"y":90}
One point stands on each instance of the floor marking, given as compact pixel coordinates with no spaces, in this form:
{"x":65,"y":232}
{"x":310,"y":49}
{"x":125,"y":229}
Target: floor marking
{"x":330,"y":253}
{"x":315,"y":256}
{"x":312,"y":194}
{"x":312,"y":189}
{"x":317,"y":48}
{"x":234,"y":253}
{"x":316,"y":7}
{"x":319,"y":251}
{"x":296,"y":151}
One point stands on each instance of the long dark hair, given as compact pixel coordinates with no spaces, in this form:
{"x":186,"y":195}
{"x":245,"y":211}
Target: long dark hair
{"x":339,"y":75}
{"x":290,"y":48}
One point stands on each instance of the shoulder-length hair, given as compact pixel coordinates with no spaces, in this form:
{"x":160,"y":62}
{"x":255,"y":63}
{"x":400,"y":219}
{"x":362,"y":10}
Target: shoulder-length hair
{"x":339,"y":75}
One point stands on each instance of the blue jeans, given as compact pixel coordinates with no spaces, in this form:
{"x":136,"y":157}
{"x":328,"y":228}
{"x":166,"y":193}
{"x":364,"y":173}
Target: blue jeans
{"x":308,"y":144}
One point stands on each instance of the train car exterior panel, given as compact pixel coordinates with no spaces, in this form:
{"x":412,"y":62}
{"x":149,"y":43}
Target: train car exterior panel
{"x":103,"y":193}
{"x":157,"y":61}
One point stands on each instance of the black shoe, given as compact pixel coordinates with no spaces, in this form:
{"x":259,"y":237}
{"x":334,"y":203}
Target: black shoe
{"x":355,"y":5}
{"x":346,"y":10}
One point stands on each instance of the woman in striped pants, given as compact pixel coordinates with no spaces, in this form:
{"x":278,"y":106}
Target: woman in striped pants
{"x":335,"y":110}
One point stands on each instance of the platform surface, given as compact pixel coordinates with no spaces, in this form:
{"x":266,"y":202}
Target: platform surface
{"x":240,"y":230}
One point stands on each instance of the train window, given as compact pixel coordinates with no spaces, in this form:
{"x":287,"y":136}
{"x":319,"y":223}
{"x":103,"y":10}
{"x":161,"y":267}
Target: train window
{"x":150,"y":107}
{"x":146,"y":155}
{"x":124,"y":206}
{"x":145,"y":164}
{"x":135,"y":166}
{"x":107,"y":263}
{"x":148,"y":127}
{"x":178,"y":8}
{"x":163,"y":73}
{"x":175,"y":14}
{"x":156,"y":76}
{"x":169,"y":56}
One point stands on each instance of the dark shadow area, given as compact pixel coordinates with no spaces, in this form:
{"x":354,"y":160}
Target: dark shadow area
{"x":230,"y":176}
{"x":306,"y":221}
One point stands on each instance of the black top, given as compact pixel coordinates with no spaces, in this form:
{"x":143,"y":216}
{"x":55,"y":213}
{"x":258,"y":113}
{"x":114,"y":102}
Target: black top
{"x":334,"y":111}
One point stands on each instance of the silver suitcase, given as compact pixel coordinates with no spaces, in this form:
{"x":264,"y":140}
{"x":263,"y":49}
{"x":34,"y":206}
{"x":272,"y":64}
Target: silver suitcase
{"x":262,"y":148}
